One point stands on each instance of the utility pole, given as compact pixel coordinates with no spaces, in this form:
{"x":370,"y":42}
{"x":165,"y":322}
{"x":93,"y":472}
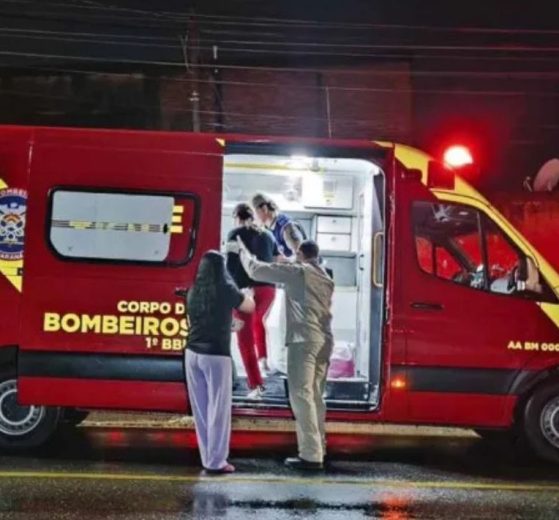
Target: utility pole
{"x":218,"y":104}
{"x":191,"y":51}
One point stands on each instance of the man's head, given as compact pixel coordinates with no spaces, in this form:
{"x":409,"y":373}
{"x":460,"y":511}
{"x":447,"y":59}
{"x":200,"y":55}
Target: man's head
{"x":308,"y":251}
{"x":243,"y":214}
{"x":264,"y":207}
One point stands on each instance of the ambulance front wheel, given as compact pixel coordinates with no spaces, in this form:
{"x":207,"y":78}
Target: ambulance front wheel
{"x":22,"y":426}
{"x":541,"y":421}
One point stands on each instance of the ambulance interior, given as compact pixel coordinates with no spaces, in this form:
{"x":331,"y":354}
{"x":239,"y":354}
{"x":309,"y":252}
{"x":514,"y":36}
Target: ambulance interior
{"x":339,"y":203}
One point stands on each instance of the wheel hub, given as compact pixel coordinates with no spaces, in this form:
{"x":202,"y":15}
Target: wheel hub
{"x":550,"y":422}
{"x":16,"y":420}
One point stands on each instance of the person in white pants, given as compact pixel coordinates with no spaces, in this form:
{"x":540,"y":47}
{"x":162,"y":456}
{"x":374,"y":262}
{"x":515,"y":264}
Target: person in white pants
{"x":208,"y":366}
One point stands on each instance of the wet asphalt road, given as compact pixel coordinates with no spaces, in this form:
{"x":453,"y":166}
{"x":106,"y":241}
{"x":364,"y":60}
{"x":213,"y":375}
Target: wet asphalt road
{"x":112,"y":473}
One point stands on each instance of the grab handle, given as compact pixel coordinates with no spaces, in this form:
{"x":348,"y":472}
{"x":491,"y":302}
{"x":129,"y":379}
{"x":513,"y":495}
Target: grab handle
{"x":377,"y":257}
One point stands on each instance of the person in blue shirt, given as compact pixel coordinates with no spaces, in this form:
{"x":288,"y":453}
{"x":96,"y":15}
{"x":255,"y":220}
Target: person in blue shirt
{"x":288,"y":233}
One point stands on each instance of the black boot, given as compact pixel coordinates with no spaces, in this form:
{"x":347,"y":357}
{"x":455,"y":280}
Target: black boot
{"x":299,"y":463}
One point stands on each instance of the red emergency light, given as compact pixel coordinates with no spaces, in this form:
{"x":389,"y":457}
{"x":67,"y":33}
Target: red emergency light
{"x":458,"y":156}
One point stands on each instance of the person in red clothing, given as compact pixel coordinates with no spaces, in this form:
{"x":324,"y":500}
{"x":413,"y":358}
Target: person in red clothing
{"x":252,"y":335}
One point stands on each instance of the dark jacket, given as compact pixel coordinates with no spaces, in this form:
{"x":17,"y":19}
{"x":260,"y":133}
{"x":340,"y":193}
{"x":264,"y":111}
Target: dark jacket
{"x":260,"y":243}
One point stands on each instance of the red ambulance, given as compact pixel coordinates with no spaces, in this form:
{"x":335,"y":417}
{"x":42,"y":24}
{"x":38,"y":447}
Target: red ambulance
{"x":444,"y":313}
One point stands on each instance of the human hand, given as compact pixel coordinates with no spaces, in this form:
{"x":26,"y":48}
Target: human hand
{"x":232,"y":247}
{"x":237,"y":325}
{"x":248,"y":291}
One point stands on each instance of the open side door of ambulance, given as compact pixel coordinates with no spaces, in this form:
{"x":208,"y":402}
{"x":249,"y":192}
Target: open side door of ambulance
{"x":336,"y":193}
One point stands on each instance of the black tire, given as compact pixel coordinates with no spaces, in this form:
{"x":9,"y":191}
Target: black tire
{"x":74,"y":417}
{"x":541,"y":421}
{"x":23,"y":427}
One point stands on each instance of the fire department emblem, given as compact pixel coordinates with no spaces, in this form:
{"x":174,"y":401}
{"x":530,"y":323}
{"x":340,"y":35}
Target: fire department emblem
{"x":13,"y":205}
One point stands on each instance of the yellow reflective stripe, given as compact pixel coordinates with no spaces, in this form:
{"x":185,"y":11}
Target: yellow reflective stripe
{"x":413,"y":158}
{"x":221,"y":141}
{"x":261,"y":166}
{"x":80,"y":224}
{"x":176,"y":219}
{"x":12,"y":269}
{"x":178,"y":209}
{"x":552,"y":311}
{"x":176,"y":229}
{"x":266,"y":167}
{"x":385,"y":144}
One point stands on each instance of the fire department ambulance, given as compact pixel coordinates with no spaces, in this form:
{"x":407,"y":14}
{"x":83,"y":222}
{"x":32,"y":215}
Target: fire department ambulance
{"x":444,"y":313}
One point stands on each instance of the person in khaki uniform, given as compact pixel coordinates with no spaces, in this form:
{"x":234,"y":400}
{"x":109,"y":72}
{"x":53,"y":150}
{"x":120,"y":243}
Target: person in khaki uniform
{"x":309,"y":339}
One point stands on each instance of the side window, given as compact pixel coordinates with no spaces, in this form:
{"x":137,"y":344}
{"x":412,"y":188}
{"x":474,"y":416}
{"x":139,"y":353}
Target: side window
{"x":458,"y":243}
{"x":453,"y":232}
{"x":122,"y":227}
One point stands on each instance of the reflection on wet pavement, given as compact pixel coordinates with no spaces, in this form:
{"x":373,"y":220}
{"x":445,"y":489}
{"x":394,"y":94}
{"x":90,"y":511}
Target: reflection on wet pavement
{"x":96,"y":473}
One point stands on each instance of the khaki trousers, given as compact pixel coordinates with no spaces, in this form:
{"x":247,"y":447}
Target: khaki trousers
{"x":307,"y":367}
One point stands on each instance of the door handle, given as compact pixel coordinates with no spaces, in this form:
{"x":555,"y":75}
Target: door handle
{"x":377,"y":257}
{"x":427,"y":306}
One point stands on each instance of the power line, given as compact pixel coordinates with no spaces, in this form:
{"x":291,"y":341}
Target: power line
{"x":346,"y":25}
{"x":58,"y":17}
{"x":95,"y":41}
{"x":113,"y":9}
{"x":79,"y":37}
{"x":283,"y":52}
{"x":504,"y":75}
{"x":44,"y":32}
{"x":476,"y":48}
{"x":267,"y":21}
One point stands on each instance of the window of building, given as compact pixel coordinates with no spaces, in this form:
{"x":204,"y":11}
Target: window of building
{"x":123,"y":227}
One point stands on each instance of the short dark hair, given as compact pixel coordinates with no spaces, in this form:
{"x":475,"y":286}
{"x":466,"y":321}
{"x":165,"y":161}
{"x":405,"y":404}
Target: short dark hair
{"x":309,"y":249}
{"x":243,"y":212}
